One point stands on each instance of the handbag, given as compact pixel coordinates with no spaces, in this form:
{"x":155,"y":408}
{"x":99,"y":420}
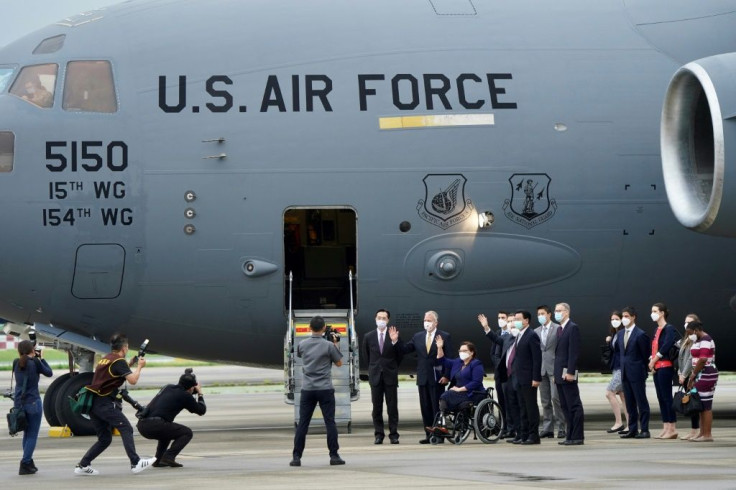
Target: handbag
{"x":17,"y":419}
{"x":686,"y":403}
{"x":81,"y":403}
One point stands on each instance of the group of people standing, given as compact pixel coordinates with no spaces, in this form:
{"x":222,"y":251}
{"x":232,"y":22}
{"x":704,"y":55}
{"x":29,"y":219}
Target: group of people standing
{"x":526,"y":360}
{"x":690,"y":360}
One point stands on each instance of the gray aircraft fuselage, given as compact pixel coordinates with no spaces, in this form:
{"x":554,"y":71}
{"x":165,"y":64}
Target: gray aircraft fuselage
{"x":252,"y":138}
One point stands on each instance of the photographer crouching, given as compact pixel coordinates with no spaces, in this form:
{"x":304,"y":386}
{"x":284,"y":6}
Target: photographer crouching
{"x":157,"y":419}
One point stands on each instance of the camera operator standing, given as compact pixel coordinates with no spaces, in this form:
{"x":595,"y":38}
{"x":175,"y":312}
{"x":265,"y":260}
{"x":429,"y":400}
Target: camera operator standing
{"x":158,"y":421}
{"x":318,"y":355}
{"x":107,"y":412}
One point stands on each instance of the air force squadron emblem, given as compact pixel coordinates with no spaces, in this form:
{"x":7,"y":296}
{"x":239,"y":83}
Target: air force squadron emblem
{"x":529,"y":204}
{"x":444,"y":203}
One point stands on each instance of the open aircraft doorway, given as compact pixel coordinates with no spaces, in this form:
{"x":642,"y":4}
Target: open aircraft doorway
{"x":320,"y":249}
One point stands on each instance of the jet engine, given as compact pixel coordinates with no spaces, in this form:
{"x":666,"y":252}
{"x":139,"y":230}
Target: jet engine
{"x":698,"y":145}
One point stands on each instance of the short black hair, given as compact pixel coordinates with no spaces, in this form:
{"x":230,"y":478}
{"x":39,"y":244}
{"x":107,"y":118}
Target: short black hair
{"x":385,"y":311}
{"x":630,"y":310}
{"x":524,"y":314}
{"x":317,"y":323}
{"x":694,"y":325}
{"x":545,"y":308}
{"x":503,"y":312}
{"x":118,"y":341}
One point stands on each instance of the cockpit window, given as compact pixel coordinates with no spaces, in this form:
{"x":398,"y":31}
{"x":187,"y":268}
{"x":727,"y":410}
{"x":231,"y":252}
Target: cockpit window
{"x":36,"y":84}
{"x":6,"y":75}
{"x":89,"y":87}
{"x":50,"y":45}
{"x":7,"y":151}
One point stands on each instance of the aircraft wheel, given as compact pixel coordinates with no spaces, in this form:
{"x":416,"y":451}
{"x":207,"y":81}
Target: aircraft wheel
{"x":49,"y":400}
{"x":78,"y":424}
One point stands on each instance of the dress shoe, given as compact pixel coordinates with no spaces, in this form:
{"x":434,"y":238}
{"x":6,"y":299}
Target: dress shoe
{"x":336,"y":460}
{"x":549,"y":434}
{"x":296,"y":461}
{"x":563,"y":443}
{"x":510,"y":434}
{"x":424,"y":441}
{"x":629,"y":435}
{"x":624,"y":430}
{"x":616,"y":429}
{"x":574,"y":442}
{"x":642,"y":435}
{"x":395,"y":440}
{"x":530,"y":441}
{"x":516,"y":440}
{"x":168,"y":462}
{"x":561,"y":434}
{"x":379,"y":440}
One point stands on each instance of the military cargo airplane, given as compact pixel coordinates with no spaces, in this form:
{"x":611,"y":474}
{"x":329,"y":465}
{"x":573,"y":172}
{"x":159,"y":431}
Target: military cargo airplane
{"x":204,"y":173}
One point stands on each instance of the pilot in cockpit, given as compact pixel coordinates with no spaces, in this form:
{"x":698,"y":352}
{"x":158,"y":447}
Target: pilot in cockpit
{"x":37,"y":94}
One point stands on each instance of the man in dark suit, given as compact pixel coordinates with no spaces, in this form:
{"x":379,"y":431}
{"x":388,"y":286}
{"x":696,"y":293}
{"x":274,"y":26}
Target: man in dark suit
{"x":634,"y":348}
{"x":431,"y":378}
{"x":567,"y":354}
{"x":502,"y":342}
{"x":496,"y":356}
{"x":551,"y":409}
{"x":383,"y":357}
{"x":525,"y":372}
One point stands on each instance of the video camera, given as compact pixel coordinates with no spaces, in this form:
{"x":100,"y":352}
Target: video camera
{"x":34,"y":341}
{"x":331,"y":335}
{"x":141,"y":353}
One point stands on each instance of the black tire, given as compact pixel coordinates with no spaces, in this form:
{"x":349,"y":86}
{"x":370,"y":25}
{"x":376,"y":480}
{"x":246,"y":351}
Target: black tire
{"x":49,"y":400}
{"x":79,"y":425}
{"x":463,"y":427}
{"x":488,"y":421}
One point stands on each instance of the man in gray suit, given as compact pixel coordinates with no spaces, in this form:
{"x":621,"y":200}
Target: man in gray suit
{"x":551,"y":410}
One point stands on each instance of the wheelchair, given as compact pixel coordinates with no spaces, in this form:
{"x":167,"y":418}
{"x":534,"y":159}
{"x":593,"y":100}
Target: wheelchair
{"x":484,"y":420}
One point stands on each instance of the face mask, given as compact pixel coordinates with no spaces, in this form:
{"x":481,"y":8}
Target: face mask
{"x":558,"y":316}
{"x":626,"y":321}
{"x":692,"y":337}
{"x":428,"y":326}
{"x":380,"y":324}
{"x":514,"y":331}
{"x":542,"y":319}
{"x":655,"y":317}
{"x":518,"y":324}
{"x":502,"y":323}
{"x":615,"y":323}
{"x":464,"y":355}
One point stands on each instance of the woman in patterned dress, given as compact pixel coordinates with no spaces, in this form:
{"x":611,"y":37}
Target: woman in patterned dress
{"x":704,"y":377}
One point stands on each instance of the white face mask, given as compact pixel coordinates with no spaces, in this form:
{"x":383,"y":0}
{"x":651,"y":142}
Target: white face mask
{"x":381,"y":324}
{"x":502,"y":323}
{"x":464,"y":355}
{"x":655,"y":317}
{"x":692,"y":337}
{"x":514,"y":331}
{"x":428,"y":326}
{"x":626,"y":321}
{"x":615,"y":323}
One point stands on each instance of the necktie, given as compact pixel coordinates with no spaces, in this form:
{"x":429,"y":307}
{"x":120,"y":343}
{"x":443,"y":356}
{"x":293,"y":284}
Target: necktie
{"x":544,"y":335}
{"x":626,"y":338}
{"x":380,"y":343}
{"x":429,"y":342}
{"x":512,"y":354}
{"x":559,"y":332}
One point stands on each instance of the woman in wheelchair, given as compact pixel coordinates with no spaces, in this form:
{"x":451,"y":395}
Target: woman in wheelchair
{"x":466,"y":382}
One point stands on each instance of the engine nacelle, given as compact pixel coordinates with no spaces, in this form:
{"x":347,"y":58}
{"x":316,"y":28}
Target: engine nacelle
{"x":698,"y":145}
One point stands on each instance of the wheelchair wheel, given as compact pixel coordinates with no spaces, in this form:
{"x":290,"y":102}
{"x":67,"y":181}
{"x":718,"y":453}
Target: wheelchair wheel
{"x":488,"y":421}
{"x":462,"y":427}
{"x":433,"y":440}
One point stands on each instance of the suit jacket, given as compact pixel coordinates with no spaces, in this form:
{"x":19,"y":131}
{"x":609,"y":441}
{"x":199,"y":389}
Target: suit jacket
{"x":502,"y":343}
{"x":428,"y":370}
{"x":635,"y":356}
{"x":548,"y":349}
{"x":386,"y":363}
{"x":471,"y":377}
{"x":526,"y":365}
{"x":567,"y":352}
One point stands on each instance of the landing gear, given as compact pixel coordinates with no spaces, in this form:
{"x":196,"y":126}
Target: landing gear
{"x":78,"y":424}
{"x":49,"y":400}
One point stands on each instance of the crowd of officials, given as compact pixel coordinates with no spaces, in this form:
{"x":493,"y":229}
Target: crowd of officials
{"x":526,"y":361}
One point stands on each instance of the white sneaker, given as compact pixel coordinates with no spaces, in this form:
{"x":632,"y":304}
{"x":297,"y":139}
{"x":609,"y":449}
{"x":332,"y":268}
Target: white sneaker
{"x":85,"y":470}
{"x":143,"y":463}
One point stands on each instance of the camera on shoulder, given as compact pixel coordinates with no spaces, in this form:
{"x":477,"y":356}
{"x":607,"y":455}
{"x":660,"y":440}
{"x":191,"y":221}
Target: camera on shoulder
{"x":331,"y":335}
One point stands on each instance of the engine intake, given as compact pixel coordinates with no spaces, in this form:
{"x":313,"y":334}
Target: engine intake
{"x":698,"y":145}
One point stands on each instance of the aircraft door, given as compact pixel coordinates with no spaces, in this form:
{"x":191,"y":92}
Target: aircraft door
{"x":320,"y":249}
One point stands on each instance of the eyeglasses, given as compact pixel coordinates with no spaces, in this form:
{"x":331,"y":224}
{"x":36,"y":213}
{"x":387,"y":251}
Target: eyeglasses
{"x":463,"y":350}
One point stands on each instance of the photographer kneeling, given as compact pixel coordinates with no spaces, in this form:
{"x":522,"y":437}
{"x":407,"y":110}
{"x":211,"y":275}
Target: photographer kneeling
{"x":157,"y":421}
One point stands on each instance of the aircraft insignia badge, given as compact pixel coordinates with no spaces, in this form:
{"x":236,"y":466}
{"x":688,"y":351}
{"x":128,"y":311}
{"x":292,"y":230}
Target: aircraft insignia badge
{"x":444,"y":202}
{"x":529,"y":204}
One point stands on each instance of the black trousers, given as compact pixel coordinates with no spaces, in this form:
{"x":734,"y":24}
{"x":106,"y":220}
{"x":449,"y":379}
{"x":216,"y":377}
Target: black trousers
{"x":512,"y":407}
{"x":107,"y":415}
{"x":572,"y":407}
{"x":636,"y":404}
{"x":307,"y":404}
{"x":165,"y":432}
{"x":529,"y":411}
{"x":378,"y":393}
{"x":429,"y":402}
